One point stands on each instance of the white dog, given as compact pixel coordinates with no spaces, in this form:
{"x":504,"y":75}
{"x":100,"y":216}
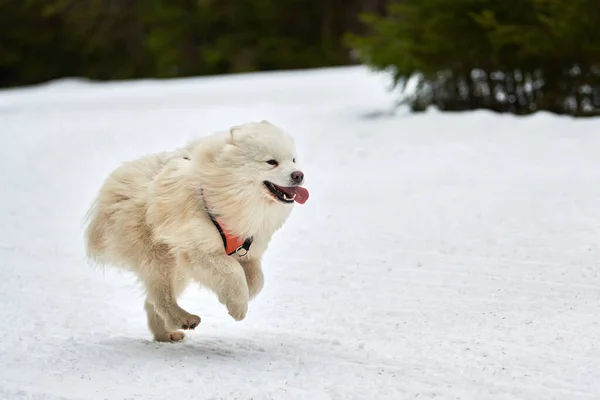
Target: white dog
{"x":205,"y":212}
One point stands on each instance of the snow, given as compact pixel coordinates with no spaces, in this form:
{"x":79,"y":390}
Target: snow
{"x":449,"y":256}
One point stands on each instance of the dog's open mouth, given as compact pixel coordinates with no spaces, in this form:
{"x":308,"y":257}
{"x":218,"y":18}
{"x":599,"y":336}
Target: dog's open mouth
{"x":287,"y":194}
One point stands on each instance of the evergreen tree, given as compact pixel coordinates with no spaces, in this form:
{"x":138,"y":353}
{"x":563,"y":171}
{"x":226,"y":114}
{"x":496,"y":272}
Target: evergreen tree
{"x":519,"y":56}
{"x":118,"y":39}
{"x":29,"y":34}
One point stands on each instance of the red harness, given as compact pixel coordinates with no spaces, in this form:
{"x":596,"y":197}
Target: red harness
{"x":233,"y":244}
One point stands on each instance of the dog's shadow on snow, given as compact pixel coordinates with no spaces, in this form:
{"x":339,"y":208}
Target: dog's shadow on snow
{"x":220,"y":349}
{"x":197,"y":347}
{"x":203,"y":351}
{"x":199,"y":350}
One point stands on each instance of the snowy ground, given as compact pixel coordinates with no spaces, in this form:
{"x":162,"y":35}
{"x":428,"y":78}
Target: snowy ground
{"x":447,"y":256}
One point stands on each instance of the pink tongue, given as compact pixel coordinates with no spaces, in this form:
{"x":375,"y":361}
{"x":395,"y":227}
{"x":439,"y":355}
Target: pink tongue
{"x":301,"y":195}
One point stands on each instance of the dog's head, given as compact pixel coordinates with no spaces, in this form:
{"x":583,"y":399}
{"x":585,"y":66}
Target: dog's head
{"x":259,"y":161}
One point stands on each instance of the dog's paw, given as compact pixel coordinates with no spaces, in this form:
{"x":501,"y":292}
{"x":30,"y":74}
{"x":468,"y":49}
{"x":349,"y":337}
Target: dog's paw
{"x":190,"y":322}
{"x":238,"y":310}
{"x":176,"y":336}
{"x":185,"y":321}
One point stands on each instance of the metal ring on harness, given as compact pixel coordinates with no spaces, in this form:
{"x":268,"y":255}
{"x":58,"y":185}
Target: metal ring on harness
{"x":241,"y":251}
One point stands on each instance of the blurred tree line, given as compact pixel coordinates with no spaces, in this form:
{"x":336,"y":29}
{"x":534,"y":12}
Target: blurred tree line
{"x":119,"y":39}
{"x":517,"y":56}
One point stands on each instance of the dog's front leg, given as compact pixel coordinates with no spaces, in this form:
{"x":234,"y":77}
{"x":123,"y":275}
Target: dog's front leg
{"x":254,"y":276}
{"x":226,"y":278}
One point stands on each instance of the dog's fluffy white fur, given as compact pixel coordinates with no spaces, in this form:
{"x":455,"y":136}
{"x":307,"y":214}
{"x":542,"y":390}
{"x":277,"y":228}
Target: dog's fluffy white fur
{"x":150,"y":217}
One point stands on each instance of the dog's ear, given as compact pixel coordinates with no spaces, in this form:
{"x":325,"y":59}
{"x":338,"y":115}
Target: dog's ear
{"x":238,"y":132}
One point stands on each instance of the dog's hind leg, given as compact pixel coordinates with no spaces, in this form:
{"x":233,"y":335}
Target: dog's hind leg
{"x":158,"y":326}
{"x":163,"y":286}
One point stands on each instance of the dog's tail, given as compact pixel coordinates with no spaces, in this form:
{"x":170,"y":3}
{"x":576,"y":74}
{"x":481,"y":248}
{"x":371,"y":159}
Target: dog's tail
{"x":94,"y":240}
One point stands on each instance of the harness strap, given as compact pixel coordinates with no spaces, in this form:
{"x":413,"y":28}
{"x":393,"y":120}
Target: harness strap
{"x":232,"y":244}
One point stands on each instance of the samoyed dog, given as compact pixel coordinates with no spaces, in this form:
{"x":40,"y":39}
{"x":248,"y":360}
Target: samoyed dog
{"x":205,"y":212}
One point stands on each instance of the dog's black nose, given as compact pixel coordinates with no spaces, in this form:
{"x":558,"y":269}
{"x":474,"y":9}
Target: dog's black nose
{"x":297,"y":176}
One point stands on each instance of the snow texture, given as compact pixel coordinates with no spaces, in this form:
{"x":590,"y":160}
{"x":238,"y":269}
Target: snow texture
{"x":447,"y":256}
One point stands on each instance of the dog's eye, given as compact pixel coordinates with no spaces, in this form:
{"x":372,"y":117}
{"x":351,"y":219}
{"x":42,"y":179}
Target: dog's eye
{"x":273,"y":162}
{"x":294,"y":161}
